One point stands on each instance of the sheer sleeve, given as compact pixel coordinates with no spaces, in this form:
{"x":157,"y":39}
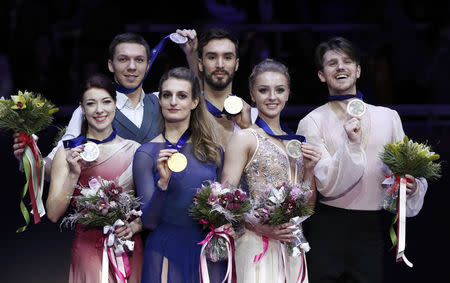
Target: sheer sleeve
{"x":152,"y":197}
{"x":335,"y":173}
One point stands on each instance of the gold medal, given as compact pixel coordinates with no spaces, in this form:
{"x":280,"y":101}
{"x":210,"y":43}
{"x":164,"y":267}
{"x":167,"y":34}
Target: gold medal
{"x":356,"y":107}
{"x":294,"y":148}
{"x":90,"y":152}
{"x":233,"y":104}
{"x":177,"y":162}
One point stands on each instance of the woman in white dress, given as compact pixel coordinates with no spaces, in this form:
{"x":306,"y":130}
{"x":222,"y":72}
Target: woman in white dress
{"x":258,"y":155}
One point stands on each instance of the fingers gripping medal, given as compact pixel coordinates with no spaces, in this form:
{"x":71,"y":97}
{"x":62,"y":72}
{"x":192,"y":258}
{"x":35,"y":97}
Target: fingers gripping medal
{"x":90,"y":152}
{"x":356,"y":107}
{"x":177,"y":162}
{"x":233,"y":104}
{"x":178,"y":38}
{"x":294,"y":148}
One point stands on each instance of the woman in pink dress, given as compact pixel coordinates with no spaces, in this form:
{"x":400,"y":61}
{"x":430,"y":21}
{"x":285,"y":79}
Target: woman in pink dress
{"x":113,"y":163}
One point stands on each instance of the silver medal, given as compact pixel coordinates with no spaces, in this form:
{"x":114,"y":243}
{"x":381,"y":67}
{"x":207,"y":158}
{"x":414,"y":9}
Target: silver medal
{"x":356,"y":107}
{"x":177,"y":38}
{"x":90,"y":152}
{"x":294,"y":148}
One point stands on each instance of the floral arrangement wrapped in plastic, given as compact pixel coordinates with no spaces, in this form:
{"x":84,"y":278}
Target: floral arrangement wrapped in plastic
{"x":26,"y":114}
{"x":215,"y":205}
{"x":401,"y":158}
{"x":282,"y":204}
{"x":105,"y":205}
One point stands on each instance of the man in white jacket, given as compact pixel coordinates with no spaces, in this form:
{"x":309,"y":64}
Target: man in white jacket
{"x":346,"y":233}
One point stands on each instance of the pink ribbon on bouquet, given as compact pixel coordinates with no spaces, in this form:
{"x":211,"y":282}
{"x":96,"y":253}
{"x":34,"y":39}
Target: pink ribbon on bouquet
{"x":230,"y":276}
{"x":115,"y":254}
{"x":265,"y":247}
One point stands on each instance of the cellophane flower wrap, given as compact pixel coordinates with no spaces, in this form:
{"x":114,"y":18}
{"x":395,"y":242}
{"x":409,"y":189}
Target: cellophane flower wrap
{"x":282,"y":204}
{"x":217,"y":204}
{"x":406,"y":157}
{"x":101,"y":204}
{"x":28,"y":113}
{"x":107,"y":206}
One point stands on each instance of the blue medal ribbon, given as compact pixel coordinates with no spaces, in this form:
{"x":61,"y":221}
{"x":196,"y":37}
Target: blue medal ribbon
{"x":345,"y":96}
{"x":290,"y":136}
{"x":83,"y":139}
{"x":215,"y":111}
{"x":153,"y":53}
{"x":180,"y":143}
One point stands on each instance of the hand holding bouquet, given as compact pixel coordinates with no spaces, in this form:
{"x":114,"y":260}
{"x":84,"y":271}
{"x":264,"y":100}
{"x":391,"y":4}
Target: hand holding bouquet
{"x":214,"y":206}
{"x":282,"y":204}
{"x":402,"y":158}
{"x":103,"y":204}
{"x":27,"y":113}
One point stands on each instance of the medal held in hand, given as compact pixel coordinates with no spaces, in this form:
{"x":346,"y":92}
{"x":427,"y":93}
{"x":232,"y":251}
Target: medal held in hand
{"x":294,"y":148}
{"x":178,"y":38}
{"x":177,"y":162}
{"x":233,"y":104}
{"x":90,"y":152}
{"x":356,"y":107}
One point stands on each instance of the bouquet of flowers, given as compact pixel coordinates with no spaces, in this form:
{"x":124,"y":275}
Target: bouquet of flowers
{"x":401,"y":158}
{"x":407,"y":157}
{"x":285,"y":203}
{"x":27,"y":113}
{"x":103,"y":204}
{"x":215,"y":205}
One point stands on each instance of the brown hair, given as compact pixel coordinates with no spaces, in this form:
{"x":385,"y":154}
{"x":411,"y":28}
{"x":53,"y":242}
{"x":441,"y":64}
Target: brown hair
{"x":202,"y":137}
{"x":96,"y":81}
{"x":268,"y":65}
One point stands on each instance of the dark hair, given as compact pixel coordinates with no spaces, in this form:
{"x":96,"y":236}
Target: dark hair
{"x":336,"y":43}
{"x":202,"y":137}
{"x":127,"y":38}
{"x":268,"y":65}
{"x":216,"y":33}
{"x":96,"y":81}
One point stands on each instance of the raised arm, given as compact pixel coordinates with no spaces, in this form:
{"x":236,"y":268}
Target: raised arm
{"x":190,"y":49}
{"x":151,"y":187}
{"x":64,"y":176}
{"x":338,"y":172}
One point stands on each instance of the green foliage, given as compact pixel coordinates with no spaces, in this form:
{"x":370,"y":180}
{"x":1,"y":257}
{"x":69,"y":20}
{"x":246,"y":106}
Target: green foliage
{"x":59,"y":135}
{"x":216,"y":214}
{"x":26,"y":113}
{"x":408,"y":157}
{"x":282,"y":215}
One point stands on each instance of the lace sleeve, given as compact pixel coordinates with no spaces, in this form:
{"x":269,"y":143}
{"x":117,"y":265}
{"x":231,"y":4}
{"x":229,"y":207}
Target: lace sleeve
{"x":152,"y":197}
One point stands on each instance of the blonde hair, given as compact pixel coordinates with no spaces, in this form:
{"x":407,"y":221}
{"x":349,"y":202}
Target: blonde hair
{"x":202,"y":135}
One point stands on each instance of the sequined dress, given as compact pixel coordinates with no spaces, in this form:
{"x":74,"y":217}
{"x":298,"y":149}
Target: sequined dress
{"x":268,"y":165}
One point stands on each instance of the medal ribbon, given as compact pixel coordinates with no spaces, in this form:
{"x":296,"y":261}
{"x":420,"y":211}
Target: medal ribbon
{"x":83,"y":139}
{"x":290,"y":136}
{"x":215,"y":111}
{"x":153,"y":53}
{"x":180,"y":143}
{"x":345,"y":96}
{"x":34,"y":173}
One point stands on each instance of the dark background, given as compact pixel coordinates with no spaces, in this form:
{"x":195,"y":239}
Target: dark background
{"x":51,"y":46}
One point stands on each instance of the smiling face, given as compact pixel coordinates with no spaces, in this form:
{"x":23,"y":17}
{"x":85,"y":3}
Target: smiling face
{"x":270,"y":91}
{"x":219,"y":62}
{"x":340,"y":72}
{"x":129,"y":64}
{"x":99,"y":109}
{"x":176,"y":100}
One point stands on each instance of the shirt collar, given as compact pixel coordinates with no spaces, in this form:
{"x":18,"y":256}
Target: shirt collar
{"x":123,"y":100}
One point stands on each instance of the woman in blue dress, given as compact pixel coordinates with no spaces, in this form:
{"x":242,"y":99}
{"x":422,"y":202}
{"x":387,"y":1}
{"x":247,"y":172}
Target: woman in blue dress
{"x":171,"y":251}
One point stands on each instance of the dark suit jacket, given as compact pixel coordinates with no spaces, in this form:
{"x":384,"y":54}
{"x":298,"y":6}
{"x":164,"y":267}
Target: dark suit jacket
{"x":149,"y":127}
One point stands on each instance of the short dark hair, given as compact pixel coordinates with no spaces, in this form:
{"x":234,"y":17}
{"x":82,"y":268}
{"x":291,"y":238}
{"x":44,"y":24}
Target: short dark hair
{"x":336,"y":43}
{"x":216,"y":33}
{"x":127,"y":38}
